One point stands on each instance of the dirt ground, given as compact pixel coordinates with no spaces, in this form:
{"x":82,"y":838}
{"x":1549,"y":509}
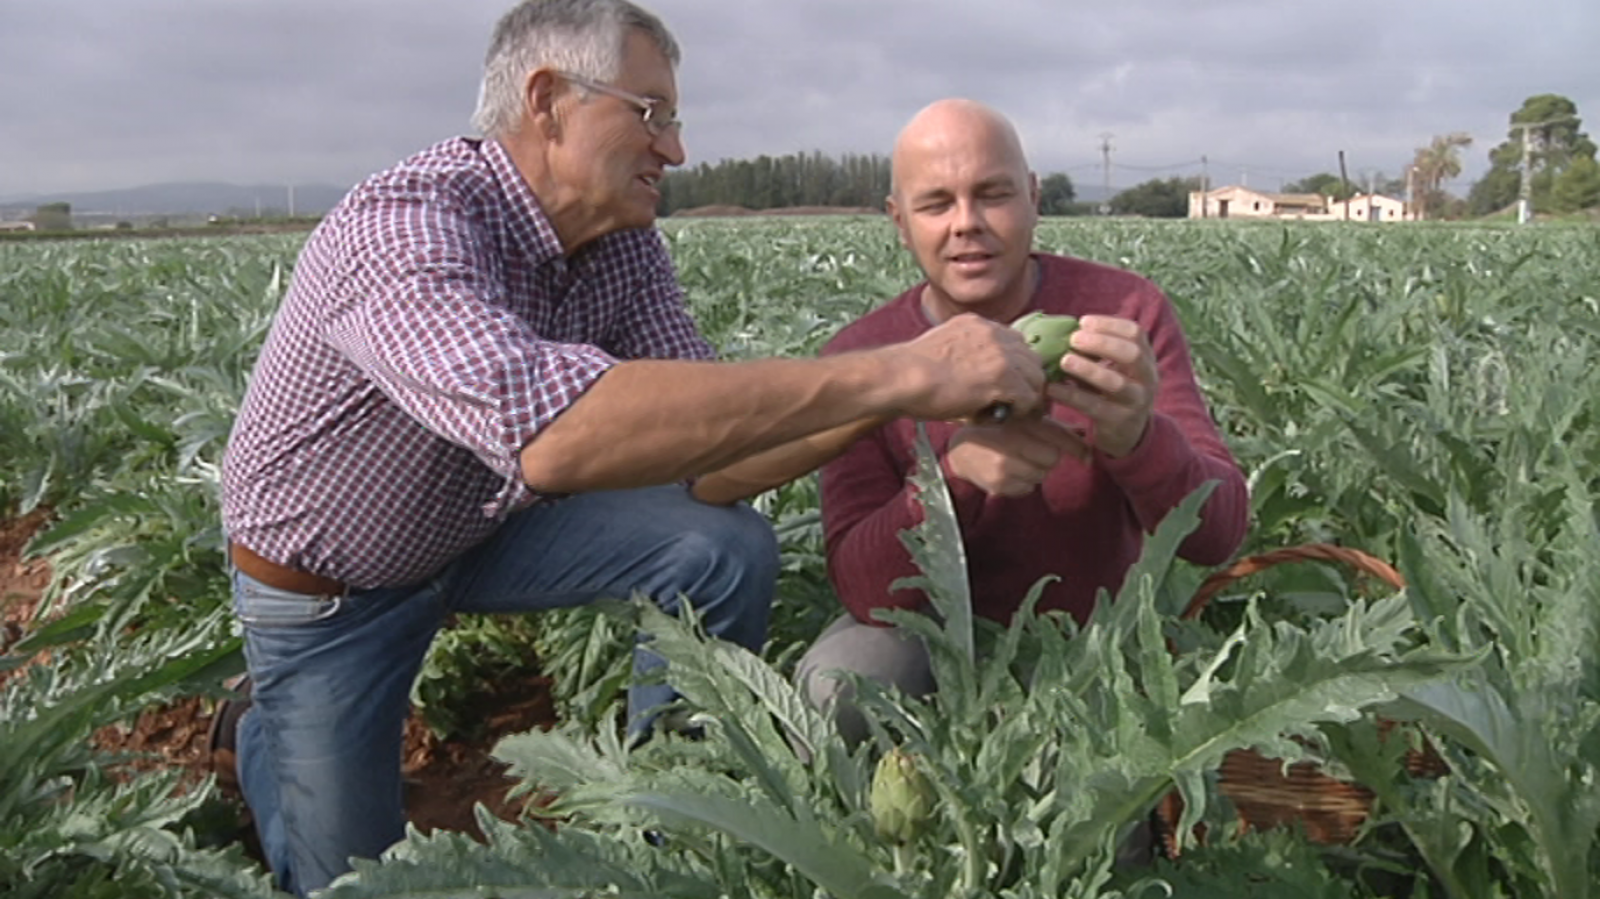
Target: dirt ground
{"x":444,"y":778}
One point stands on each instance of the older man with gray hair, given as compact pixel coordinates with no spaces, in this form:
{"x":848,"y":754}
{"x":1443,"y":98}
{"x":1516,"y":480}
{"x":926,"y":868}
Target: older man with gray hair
{"x":482,"y":393}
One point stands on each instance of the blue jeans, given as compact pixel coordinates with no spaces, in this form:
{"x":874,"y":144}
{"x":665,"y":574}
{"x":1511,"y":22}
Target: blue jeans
{"x":319,"y":749}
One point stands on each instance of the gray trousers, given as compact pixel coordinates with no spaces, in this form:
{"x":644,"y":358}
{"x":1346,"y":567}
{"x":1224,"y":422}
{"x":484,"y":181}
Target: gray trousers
{"x":887,"y":655}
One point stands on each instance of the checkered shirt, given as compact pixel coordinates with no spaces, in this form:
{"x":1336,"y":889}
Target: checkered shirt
{"x":432,"y":327}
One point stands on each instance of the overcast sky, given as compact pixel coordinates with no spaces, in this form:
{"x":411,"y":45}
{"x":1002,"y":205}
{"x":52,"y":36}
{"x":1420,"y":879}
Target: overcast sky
{"x":99,"y":94}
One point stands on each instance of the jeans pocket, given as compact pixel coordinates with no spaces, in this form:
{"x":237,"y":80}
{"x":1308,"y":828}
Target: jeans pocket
{"x":258,"y":605}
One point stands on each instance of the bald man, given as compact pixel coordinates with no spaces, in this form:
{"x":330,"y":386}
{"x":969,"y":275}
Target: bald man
{"x":1068,"y":490}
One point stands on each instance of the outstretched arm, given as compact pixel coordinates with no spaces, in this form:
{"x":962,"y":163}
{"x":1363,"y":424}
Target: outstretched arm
{"x":780,"y":465}
{"x":654,"y":421}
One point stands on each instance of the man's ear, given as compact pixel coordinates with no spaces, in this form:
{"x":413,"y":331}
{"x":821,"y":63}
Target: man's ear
{"x":893,"y":209}
{"x":1033,"y":190}
{"x":539,"y":102}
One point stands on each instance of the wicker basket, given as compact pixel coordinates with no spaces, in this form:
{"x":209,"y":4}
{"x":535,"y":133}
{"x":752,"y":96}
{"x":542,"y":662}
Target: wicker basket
{"x":1330,"y":810}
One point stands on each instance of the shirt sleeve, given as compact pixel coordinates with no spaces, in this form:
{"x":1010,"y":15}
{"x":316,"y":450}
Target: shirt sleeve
{"x":425,"y":317}
{"x":658,"y":326}
{"x":1182,"y":449}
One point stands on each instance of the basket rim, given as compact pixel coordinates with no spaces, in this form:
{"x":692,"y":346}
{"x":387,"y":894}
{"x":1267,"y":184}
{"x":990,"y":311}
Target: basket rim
{"x":1245,"y":566}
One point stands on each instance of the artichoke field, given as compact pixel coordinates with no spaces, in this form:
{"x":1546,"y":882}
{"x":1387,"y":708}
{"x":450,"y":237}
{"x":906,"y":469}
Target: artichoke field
{"x":1426,"y":393}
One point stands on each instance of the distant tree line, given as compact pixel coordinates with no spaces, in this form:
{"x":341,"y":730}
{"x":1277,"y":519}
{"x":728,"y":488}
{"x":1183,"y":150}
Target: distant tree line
{"x":1156,"y":198}
{"x":767,"y":182}
{"x":811,"y":179}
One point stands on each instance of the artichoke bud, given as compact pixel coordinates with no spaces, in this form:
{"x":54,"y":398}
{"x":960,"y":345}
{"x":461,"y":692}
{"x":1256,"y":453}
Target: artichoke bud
{"x":901,"y":800}
{"x":1050,"y":336}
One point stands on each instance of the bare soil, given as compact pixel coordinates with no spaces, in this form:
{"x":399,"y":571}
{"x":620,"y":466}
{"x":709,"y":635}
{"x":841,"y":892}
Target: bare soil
{"x":445,"y":779}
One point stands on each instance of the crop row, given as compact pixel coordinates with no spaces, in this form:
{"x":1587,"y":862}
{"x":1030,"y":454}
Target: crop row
{"x":1426,"y":394}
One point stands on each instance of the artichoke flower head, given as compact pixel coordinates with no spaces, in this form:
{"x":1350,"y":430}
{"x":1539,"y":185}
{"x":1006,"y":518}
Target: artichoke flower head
{"x":1050,"y":336}
{"x":901,"y":798}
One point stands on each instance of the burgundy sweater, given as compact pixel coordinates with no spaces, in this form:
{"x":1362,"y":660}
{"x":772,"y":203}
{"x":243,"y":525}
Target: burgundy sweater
{"x":1087,"y":521}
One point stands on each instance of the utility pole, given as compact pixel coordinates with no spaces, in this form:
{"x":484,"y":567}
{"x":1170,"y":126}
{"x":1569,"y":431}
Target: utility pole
{"x":1525,"y":188}
{"x":1205,"y":187}
{"x":1344,"y":179}
{"x":1105,"y":153}
{"x":291,"y":199}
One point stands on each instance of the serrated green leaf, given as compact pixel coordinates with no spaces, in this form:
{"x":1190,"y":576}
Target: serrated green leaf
{"x":805,"y":846}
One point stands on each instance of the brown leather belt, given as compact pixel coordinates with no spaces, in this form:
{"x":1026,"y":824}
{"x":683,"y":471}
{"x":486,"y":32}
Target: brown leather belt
{"x":274,"y":575}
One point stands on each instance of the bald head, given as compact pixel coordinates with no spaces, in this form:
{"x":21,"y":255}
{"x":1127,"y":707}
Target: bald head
{"x":965,"y":205}
{"x":955,"y":128}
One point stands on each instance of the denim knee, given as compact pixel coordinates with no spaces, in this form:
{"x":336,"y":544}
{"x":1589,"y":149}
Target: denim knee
{"x":752,"y":546}
{"x":728,"y":564}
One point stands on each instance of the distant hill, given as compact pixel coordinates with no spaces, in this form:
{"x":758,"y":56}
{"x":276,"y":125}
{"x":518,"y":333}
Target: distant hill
{"x":185,"y":199}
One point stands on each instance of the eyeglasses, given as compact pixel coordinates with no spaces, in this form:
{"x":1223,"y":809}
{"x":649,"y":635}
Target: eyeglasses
{"x":658,"y":120}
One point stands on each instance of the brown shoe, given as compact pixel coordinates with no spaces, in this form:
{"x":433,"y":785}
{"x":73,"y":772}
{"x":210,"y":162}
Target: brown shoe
{"x":222,"y":741}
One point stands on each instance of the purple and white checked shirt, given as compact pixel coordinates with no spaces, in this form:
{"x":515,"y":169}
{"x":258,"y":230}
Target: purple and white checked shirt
{"x":432,"y":327}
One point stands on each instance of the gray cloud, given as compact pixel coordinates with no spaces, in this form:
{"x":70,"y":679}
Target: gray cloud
{"x":100,"y":94}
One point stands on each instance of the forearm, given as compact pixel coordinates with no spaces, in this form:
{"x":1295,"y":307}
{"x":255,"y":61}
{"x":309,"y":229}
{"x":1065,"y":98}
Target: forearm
{"x":653,"y":422}
{"x":780,"y":465}
{"x":1168,"y":466}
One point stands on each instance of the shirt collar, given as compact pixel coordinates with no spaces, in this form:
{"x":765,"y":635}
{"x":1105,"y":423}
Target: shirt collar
{"x":528,"y":227}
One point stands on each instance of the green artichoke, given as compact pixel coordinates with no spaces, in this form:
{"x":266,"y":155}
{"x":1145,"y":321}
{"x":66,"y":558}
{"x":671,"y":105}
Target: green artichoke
{"x":901,"y":799}
{"x":1050,"y":336}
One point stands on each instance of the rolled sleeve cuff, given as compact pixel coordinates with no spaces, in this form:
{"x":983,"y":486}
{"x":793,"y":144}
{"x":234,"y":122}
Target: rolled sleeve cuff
{"x":569,"y":371}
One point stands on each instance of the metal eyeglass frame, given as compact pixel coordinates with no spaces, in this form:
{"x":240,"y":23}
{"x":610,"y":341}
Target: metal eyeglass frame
{"x":650,"y":108}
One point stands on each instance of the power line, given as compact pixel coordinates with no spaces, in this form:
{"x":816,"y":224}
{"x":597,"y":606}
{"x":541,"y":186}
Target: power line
{"x":1200,"y":163}
{"x":1188,"y":163}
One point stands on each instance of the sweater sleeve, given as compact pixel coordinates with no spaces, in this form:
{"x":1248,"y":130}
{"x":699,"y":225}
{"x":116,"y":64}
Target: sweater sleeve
{"x":1182,"y":449}
{"x":867,"y":501}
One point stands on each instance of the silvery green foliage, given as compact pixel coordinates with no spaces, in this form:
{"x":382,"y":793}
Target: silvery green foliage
{"x":1424,"y":393}
{"x":1044,"y":746}
{"x":1524,"y":729}
{"x":70,"y":825}
{"x":520,"y":862}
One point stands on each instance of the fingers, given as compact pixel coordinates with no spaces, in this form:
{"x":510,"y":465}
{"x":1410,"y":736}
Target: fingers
{"x":1089,"y":381}
{"x":997,"y":471}
{"x":1105,"y":341}
{"x":1015,"y":458}
{"x":1112,"y":379}
{"x":1038,"y":442}
{"x":1062,"y":438}
{"x":1022,"y":384}
{"x":978,"y":366}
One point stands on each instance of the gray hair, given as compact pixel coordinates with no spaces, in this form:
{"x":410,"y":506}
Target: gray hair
{"x":584,"y":37}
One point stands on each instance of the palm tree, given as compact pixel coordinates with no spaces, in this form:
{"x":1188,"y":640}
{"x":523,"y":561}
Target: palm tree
{"x":1435,"y":164}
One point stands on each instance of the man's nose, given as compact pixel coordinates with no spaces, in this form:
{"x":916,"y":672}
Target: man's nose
{"x":669,"y":146}
{"x":969,"y":217}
